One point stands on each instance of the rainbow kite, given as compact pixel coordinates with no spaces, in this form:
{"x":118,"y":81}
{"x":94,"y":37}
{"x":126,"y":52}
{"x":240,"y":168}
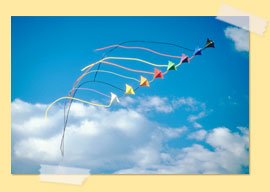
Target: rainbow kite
{"x":146,"y":77}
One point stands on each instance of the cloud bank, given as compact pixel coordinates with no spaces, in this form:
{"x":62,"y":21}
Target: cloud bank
{"x":124,"y":140}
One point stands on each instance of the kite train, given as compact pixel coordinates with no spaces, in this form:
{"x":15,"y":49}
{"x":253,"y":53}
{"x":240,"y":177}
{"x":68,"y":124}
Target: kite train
{"x":131,"y":70}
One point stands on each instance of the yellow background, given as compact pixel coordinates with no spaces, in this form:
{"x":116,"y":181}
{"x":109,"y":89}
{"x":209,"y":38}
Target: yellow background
{"x":258,"y":180}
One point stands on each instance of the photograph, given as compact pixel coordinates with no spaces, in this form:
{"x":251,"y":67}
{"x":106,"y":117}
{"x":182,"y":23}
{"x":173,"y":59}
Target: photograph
{"x":130,"y":94}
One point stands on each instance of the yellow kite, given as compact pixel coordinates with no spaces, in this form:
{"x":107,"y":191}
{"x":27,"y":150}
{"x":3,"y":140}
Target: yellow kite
{"x":129,"y":90}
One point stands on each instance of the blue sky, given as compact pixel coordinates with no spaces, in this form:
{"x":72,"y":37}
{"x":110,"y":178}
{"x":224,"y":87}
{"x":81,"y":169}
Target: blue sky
{"x":49,"y":52}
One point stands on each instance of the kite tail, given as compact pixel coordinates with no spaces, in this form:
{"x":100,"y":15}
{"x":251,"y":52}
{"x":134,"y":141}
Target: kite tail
{"x":76,"y":99}
{"x":142,"y":48}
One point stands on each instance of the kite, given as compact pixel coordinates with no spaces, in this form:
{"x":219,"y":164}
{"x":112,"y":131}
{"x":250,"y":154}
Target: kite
{"x":144,"y":82}
{"x":158,"y":73}
{"x":129,"y":90}
{"x":141,"y":74}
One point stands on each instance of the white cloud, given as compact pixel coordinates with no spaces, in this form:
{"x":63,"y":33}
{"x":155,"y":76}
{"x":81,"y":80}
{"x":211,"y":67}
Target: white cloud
{"x":37,"y":149}
{"x":162,"y":104}
{"x":193,"y":119}
{"x":198,"y":159}
{"x":165,"y":105}
{"x":173,"y":132}
{"x":28,"y":119}
{"x":92,"y":133}
{"x":120,"y":141}
{"x":222,"y":139}
{"x":189,"y":104}
{"x":155,"y":103}
{"x":198,"y":135}
{"x":240,"y":37}
{"x":197,"y":125}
